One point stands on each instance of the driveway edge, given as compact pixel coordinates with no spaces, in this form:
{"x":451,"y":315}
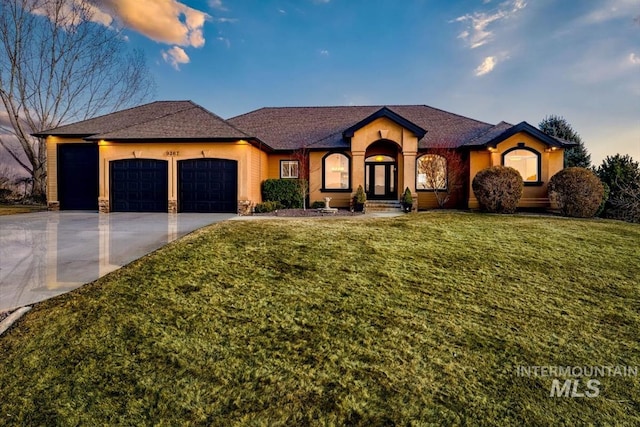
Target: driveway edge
{"x":12,"y":318}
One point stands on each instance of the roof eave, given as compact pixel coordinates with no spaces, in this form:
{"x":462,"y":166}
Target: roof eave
{"x":62,"y":135}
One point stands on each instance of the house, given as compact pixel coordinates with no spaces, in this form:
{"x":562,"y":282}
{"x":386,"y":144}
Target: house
{"x":175,"y":156}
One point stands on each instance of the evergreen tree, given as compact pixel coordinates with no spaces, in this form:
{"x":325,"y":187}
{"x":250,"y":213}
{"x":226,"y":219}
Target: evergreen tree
{"x":558,"y":127}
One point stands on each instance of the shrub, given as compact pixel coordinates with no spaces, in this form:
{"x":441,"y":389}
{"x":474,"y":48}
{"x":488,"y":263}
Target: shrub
{"x":5,"y":195}
{"x":407,"y":200}
{"x":285,"y":191}
{"x":268,"y":206}
{"x":578,"y":192}
{"x":317,"y":205}
{"x":359,"y":199}
{"x":360,"y":196}
{"x":498,"y":189}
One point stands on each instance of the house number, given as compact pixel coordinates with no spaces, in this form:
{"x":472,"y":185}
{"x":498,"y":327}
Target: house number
{"x":172,"y":153}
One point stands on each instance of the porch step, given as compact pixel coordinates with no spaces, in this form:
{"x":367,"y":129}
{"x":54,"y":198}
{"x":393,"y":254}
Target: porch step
{"x":383,"y":206}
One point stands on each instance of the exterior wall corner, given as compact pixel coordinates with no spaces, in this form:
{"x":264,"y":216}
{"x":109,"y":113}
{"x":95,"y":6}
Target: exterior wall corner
{"x":103,"y":205}
{"x":245,"y":207}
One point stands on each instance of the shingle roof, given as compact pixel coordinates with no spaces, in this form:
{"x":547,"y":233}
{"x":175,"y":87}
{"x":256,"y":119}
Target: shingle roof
{"x":182,"y":120}
{"x":288,"y":128}
{"x":491,"y":133}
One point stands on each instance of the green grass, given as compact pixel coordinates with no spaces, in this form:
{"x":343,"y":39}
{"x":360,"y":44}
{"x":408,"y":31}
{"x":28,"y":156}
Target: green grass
{"x":20,"y":209}
{"x":420,"y":319}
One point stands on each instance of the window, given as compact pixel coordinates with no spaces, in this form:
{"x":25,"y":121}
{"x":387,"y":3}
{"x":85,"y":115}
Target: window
{"x":524,"y":160}
{"x":288,"y":168}
{"x":335,"y":169}
{"x":379,"y":158}
{"x":431,"y":172}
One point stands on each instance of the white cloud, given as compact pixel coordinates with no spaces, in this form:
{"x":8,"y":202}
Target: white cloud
{"x":282,"y":11}
{"x":175,"y":56}
{"x":487,"y":66}
{"x":165,"y":21}
{"x":321,"y":1}
{"x":217,"y":4}
{"x":224,"y":40}
{"x":72,"y":12}
{"x":478,"y":34}
{"x":634,"y":59}
{"x":324,"y":52}
{"x":610,"y":9}
{"x":226,"y":20}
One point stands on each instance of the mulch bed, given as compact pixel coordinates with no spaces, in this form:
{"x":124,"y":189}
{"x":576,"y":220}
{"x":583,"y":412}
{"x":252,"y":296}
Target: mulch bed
{"x":307,"y":213}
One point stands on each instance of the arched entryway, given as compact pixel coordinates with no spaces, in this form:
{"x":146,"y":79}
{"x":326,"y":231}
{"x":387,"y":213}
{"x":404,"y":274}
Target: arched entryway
{"x":381,"y":171}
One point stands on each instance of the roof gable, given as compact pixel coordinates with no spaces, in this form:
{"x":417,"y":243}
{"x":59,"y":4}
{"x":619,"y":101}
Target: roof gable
{"x":533,"y":131}
{"x":386,"y":113}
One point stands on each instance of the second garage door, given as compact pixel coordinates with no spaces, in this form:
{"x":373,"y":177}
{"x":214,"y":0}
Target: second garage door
{"x":208,"y":185}
{"x":139,"y":185}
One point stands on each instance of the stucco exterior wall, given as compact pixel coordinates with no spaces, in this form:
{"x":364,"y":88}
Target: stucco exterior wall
{"x":386,"y":130}
{"x":249,"y":159}
{"x":274,"y":164}
{"x":339,"y":199}
{"x":533,"y":196}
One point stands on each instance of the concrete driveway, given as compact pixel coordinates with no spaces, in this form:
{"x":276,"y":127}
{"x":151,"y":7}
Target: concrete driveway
{"x":46,"y":254}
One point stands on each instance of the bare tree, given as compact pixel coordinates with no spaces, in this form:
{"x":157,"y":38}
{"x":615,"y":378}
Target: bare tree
{"x":301,"y":155}
{"x":59,"y":64}
{"x":441,"y":171}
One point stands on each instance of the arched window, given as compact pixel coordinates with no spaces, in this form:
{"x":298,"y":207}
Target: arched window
{"x":431,"y":172}
{"x":335,"y":172}
{"x":525,"y":160}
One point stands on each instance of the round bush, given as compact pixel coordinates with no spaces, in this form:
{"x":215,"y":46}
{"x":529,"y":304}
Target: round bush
{"x":498,"y":189}
{"x":577,"y":192}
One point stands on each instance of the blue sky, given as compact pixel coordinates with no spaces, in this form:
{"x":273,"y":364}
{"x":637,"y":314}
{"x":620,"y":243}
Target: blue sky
{"x":513,"y":60}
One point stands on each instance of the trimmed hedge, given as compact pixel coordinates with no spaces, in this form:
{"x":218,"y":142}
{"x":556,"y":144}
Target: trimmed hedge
{"x":285,"y":191}
{"x":498,"y":189}
{"x":578,"y":192}
{"x":267,"y":206}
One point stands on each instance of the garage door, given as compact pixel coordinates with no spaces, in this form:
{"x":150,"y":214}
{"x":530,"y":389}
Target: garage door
{"x":208,"y":185}
{"x":139,"y":185}
{"x":78,"y":176}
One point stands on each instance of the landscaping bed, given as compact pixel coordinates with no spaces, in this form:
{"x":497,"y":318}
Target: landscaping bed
{"x":307,"y":213}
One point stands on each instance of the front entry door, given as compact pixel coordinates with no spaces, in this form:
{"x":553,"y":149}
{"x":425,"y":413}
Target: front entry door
{"x":380,"y":181}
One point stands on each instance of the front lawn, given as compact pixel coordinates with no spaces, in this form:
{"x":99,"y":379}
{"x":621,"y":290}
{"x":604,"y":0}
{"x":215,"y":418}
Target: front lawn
{"x":424,"y":318}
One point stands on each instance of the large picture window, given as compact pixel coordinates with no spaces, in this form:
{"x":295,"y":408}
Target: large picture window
{"x":524,"y":160}
{"x":335,"y":169}
{"x":288,"y":168}
{"x":431,"y":172}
